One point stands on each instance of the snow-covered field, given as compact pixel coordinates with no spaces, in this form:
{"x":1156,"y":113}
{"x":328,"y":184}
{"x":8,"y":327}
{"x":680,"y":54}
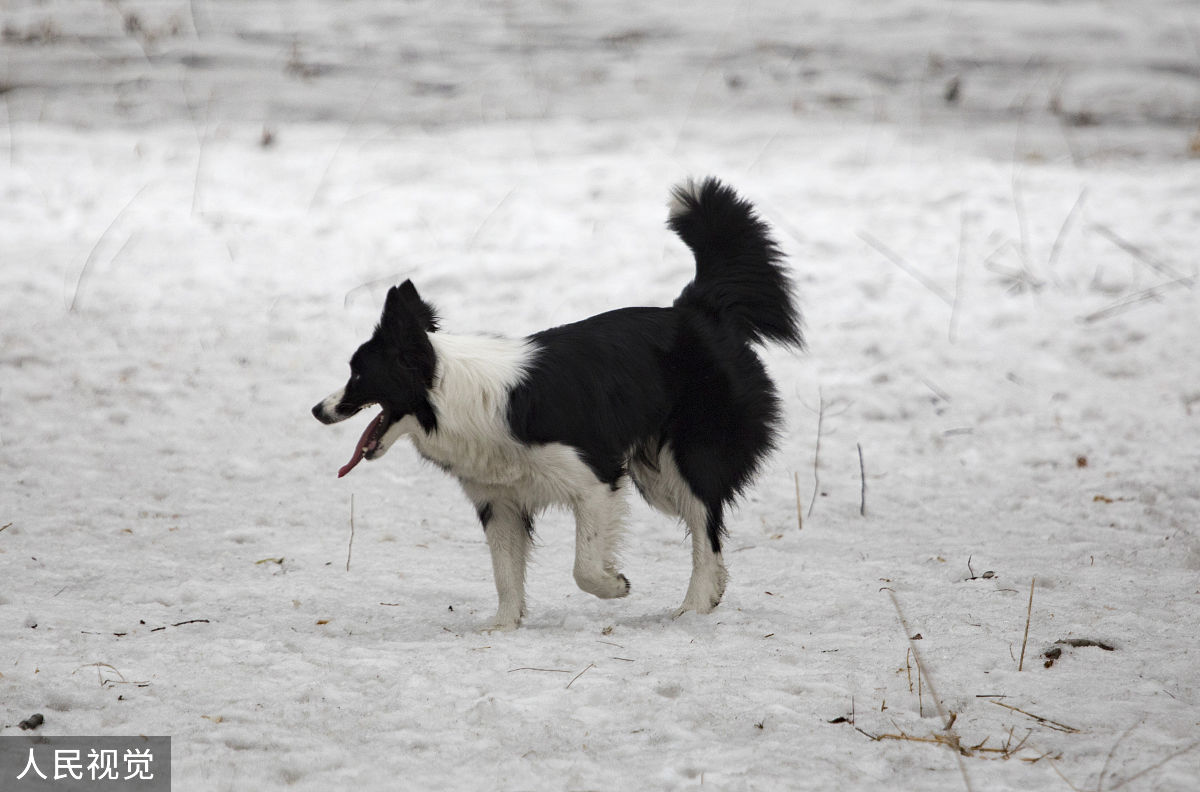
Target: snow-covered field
{"x":992,"y":212}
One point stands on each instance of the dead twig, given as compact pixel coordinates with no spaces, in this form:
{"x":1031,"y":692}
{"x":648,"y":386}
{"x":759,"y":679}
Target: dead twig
{"x":488,"y":218}
{"x":1131,"y":300}
{"x":104,"y":681}
{"x":1028,"y":616}
{"x":980,"y":751}
{"x":180,"y":624}
{"x":862,"y":476}
{"x":1111,"y":752}
{"x":1059,"y":773}
{"x":1044,"y":721}
{"x":87,"y":264}
{"x":1155,"y":766}
{"x":799,"y":506}
{"x":921,"y":672}
{"x":1056,"y":248}
{"x":952,"y":328}
{"x":1019,"y":208}
{"x":312,"y":202}
{"x":817,"y":452}
{"x":914,"y":273}
{"x":952,"y":739}
{"x":581,"y":673}
{"x":1141,"y":255}
{"x":544,"y":670}
{"x":350,"y":546}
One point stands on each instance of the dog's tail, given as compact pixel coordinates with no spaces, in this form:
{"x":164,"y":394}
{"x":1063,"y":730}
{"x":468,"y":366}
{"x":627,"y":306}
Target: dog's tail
{"x":740,"y":278}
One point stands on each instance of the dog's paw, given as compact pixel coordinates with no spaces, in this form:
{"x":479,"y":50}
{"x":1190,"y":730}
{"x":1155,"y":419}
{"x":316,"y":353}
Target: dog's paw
{"x":504,"y":622}
{"x":608,"y":586}
{"x":701,"y":607}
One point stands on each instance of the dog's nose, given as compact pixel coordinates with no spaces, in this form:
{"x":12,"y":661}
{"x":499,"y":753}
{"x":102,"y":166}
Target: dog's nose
{"x":319,"y":413}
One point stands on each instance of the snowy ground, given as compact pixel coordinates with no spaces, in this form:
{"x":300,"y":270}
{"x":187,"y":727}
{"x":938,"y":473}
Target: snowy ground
{"x":1023,"y":380}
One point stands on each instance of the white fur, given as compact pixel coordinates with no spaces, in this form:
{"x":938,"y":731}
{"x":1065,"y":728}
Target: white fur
{"x":514,"y":481}
{"x":470,"y":395}
{"x":472,"y":441}
{"x":686,"y":189}
{"x":599,"y":522}
{"x":330,"y":403}
{"x":509,"y":543}
{"x":666,"y":490}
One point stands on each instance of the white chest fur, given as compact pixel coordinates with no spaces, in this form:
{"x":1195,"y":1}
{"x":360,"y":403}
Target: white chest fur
{"x":470,"y":398}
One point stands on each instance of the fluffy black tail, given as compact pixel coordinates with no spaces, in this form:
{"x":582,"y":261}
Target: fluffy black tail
{"x":740,"y":279}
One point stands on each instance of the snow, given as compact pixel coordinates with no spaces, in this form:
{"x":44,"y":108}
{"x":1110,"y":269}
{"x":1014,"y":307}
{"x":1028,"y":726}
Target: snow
{"x":175,"y":295}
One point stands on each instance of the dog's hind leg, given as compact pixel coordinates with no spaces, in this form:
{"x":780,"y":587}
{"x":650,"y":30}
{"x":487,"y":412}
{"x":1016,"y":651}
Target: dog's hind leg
{"x":508,"y":529}
{"x":707,"y":584}
{"x":665,"y":488}
{"x":599,"y":522}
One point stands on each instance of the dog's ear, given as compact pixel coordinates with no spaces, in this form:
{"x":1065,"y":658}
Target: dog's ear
{"x":404,"y":307}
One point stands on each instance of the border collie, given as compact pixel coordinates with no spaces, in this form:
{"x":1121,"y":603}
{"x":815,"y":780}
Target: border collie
{"x":674,"y":400}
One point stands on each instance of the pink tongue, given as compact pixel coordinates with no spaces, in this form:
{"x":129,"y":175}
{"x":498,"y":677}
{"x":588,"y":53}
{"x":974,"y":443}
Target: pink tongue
{"x":367,"y":438}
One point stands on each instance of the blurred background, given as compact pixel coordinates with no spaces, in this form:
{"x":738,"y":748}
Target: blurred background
{"x":1103,"y":77}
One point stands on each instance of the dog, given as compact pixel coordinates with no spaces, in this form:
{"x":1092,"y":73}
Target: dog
{"x":674,"y":400}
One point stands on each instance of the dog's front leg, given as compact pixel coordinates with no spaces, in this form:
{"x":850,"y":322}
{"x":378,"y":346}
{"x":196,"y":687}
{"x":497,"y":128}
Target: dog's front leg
{"x":599,"y":522}
{"x":508,"y":529}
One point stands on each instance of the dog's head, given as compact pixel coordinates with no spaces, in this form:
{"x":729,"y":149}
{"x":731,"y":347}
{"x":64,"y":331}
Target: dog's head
{"x":394,"y":370}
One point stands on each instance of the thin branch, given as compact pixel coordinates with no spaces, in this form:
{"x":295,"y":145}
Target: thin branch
{"x":1044,"y":721}
{"x":908,"y":633}
{"x":1022,"y":225}
{"x":87,"y":264}
{"x":180,"y":624}
{"x":337,"y":149}
{"x":1155,"y":766}
{"x":1132,"y":300}
{"x":1141,"y":255}
{"x":203,"y":144}
{"x":1056,"y":248}
{"x":952,"y":329}
{"x":546,"y":670}
{"x":581,"y":673}
{"x":891,"y":256}
{"x":1054,"y":767}
{"x":350,"y":546}
{"x":799,"y":506}
{"x":947,"y":719}
{"x":762,"y":152}
{"x":1111,"y":752}
{"x":862,"y":475}
{"x":817,"y":452}
{"x":1028,"y":616}
{"x":488,"y":219}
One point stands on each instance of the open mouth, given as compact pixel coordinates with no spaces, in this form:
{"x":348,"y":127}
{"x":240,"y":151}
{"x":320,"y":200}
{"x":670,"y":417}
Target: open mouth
{"x":368,"y":444}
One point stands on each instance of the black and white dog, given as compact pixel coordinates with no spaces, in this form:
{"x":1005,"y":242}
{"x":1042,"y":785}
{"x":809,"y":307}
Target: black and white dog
{"x":673,"y":399}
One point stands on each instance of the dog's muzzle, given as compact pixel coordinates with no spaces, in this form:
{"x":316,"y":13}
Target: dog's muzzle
{"x":331,"y":409}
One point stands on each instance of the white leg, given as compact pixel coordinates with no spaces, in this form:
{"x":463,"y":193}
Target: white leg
{"x":707,"y":585}
{"x":599,"y":522}
{"x":666,"y":490}
{"x":507,"y":528}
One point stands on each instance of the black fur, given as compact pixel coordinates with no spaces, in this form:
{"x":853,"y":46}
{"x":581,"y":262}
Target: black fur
{"x":395,"y":367}
{"x":740,"y":281}
{"x":687,"y":376}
